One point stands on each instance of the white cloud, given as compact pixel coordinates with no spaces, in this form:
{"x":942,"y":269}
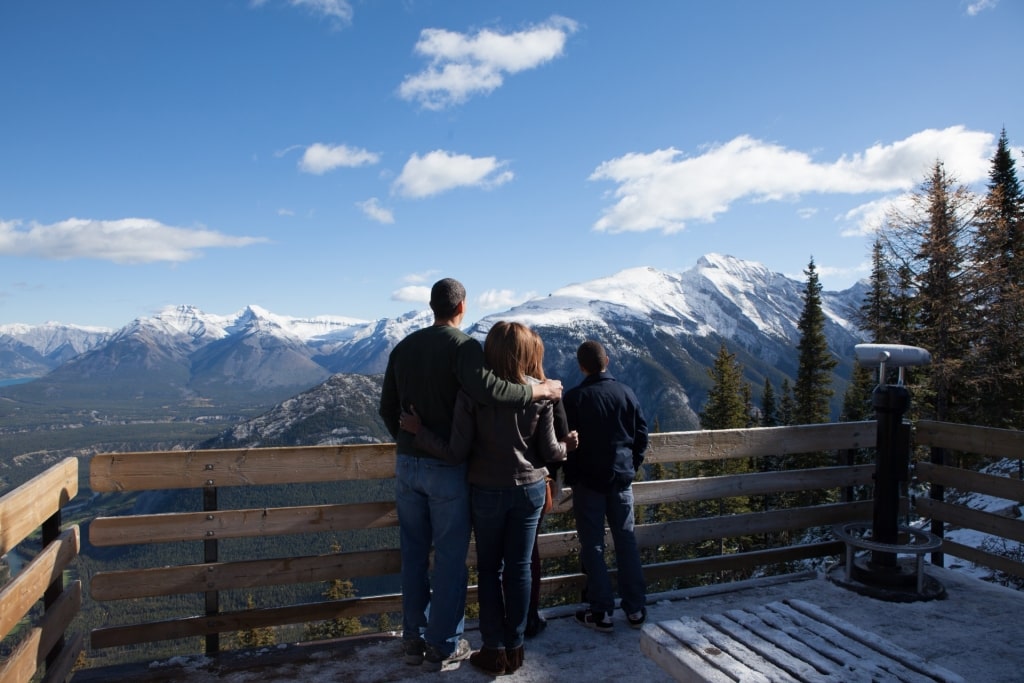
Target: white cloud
{"x":495,"y":299}
{"x":374,"y":211}
{"x":338,"y":11}
{"x":285,"y":212}
{"x":412,"y":293}
{"x":425,"y":276}
{"x":662,"y":190}
{"x":128,"y":240}
{"x":856,"y":272}
{"x":439,"y":171}
{"x":463,"y":65}
{"x":976,"y":7}
{"x":320,"y":158}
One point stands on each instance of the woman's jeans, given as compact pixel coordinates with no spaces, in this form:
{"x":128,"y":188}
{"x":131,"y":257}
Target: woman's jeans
{"x":505,"y":526}
{"x":591,"y":509}
{"x":432,"y":498}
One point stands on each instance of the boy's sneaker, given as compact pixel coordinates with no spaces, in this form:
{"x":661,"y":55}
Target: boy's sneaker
{"x":413,"y":649}
{"x":433,"y":660}
{"x":602,"y":621}
{"x":637,"y":619}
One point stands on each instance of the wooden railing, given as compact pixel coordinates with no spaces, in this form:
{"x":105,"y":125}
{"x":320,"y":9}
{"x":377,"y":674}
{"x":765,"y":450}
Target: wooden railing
{"x":43,"y":646}
{"x":944,"y":437}
{"x":214,"y":469}
{"x":38,"y":503}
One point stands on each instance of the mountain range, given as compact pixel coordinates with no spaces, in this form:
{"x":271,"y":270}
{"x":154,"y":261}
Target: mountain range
{"x":662,"y":329}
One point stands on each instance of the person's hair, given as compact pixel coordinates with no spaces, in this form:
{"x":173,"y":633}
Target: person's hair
{"x":534,"y":366}
{"x":591,"y":357}
{"x":508,"y":349}
{"x":445,"y":297}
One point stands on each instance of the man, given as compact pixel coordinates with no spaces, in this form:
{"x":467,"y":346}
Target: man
{"x":425,"y":370}
{"x":612,"y":440}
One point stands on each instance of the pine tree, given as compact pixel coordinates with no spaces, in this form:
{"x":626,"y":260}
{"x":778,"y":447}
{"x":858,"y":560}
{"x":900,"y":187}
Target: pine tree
{"x":337,"y":589}
{"x":725,"y":407}
{"x":997,"y":371}
{"x":261,"y":636}
{"x":813,"y":389}
{"x":769,"y":411}
{"x":787,"y":406}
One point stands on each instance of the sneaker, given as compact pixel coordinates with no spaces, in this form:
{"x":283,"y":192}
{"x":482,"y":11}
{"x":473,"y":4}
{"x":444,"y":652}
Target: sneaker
{"x":637,"y":619}
{"x":413,"y":650}
{"x":602,"y":621}
{"x":435,"y":661}
{"x":490,"y":660}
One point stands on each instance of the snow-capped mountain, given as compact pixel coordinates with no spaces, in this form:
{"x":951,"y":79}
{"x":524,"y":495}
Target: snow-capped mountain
{"x":662,"y":330}
{"x":33,"y":350}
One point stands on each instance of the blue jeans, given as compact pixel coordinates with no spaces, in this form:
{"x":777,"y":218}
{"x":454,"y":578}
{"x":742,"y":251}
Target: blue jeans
{"x":432,"y":498}
{"x":505,"y":526}
{"x":591,"y":508}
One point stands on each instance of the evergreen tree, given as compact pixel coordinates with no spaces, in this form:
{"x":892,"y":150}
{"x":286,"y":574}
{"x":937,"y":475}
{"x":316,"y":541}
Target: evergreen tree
{"x":261,"y":636}
{"x":787,"y":406}
{"x":337,"y":589}
{"x":813,"y":389}
{"x":857,"y":401}
{"x":928,"y":240}
{"x":725,"y":407}
{"x":769,"y":410}
{"x":997,"y":371}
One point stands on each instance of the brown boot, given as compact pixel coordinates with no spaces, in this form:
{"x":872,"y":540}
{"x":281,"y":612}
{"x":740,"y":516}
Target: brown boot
{"x":514,"y":658}
{"x":490,"y":660}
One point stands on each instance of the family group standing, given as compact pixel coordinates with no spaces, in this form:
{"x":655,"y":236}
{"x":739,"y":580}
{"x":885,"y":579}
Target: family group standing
{"x":476,"y":429}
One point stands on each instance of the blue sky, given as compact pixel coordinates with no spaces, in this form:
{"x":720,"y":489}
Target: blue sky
{"x":333,"y":157}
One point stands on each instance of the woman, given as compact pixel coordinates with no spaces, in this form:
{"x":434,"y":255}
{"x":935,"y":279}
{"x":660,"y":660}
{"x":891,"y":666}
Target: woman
{"x":507,"y":450}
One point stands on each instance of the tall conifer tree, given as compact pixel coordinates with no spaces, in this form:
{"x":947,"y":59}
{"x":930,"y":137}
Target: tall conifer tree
{"x":813,"y":389}
{"x":997,"y":369}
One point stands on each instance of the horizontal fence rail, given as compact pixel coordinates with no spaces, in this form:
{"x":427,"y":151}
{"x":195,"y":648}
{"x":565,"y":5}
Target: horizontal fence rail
{"x":43,"y":645}
{"x":991,"y":442}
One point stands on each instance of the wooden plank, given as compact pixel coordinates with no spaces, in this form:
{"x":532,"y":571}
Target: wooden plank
{"x":202,"y":526}
{"x":722,"y":444}
{"x":1000,"y":443}
{"x":753,"y":484}
{"x":674,"y":657}
{"x":716,"y":653}
{"x":218,"y":576}
{"x":691,"y":530}
{"x":58,"y":671}
{"x":741,"y":561}
{"x":801,"y":664}
{"x":27,"y":588}
{"x":985,"y":559}
{"x":844,"y":656}
{"x":968,"y":480}
{"x":873,"y":641}
{"x":961,"y":516}
{"x":134,"y":634}
{"x":25,"y":508}
{"x":30,"y":654}
{"x":239,"y":467}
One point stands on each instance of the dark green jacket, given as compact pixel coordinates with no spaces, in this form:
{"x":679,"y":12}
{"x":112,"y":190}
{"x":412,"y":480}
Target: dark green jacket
{"x":427,"y":369}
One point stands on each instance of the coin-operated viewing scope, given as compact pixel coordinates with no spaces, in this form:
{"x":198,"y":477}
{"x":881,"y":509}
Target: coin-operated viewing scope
{"x":896,"y":355}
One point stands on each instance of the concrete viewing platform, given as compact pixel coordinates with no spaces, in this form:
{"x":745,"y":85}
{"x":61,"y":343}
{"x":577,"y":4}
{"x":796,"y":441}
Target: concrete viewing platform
{"x":973,"y":634}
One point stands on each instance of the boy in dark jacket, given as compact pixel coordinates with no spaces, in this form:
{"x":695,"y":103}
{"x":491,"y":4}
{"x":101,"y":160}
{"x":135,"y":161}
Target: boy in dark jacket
{"x":612,"y":441}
